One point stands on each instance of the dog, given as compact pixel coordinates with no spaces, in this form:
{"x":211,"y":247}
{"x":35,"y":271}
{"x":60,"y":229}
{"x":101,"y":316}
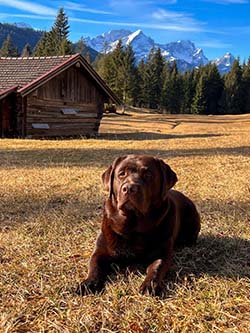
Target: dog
{"x":143,"y":220}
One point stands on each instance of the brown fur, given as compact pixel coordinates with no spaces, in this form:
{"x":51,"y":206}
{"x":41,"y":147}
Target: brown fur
{"x":143,"y":219}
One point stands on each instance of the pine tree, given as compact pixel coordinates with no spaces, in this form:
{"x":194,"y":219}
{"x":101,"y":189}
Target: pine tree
{"x":246,"y":86}
{"x":188,"y":89}
{"x":214,"y":89}
{"x":129,"y":74}
{"x":8,"y":49}
{"x":60,"y":31}
{"x":118,"y":69}
{"x":41,"y":48}
{"x":234,"y":92}
{"x":143,"y":84}
{"x":55,"y":42}
{"x":208,"y":90}
{"x":199,"y":105}
{"x":172,"y":89}
{"x":117,"y":65}
{"x":26,"y":52}
{"x":155,"y":73}
{"x":104,"y":66}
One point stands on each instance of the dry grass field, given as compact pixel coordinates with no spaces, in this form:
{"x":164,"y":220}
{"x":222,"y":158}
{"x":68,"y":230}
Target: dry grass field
{"x":50,"y":212}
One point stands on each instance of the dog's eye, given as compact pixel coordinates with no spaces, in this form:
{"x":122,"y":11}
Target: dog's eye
{"x":121,"y":174}
{"x":148,"y":174}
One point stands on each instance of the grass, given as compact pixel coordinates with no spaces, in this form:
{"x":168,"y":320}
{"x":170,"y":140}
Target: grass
{"x":50,"y":213}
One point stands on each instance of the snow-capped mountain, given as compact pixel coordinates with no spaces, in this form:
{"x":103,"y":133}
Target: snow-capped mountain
{"x":107,"y":42}
{"x":224,"y":63}
{"x":184,"y":52}
{"x":102,"y":43}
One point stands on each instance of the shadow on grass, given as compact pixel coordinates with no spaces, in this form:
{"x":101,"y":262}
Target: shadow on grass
{"x":46,"y":158}
{"x":213,"y":256}
{"x":140,"y":136}
{"x":29,"y":208}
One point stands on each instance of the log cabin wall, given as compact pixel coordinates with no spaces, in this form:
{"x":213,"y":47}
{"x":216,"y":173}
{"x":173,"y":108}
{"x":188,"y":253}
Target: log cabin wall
{"x":69,"y":104}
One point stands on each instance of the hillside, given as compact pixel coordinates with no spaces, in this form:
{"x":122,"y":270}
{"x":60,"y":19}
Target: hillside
{"x":51,"y":206}
{"x":20,"y":35}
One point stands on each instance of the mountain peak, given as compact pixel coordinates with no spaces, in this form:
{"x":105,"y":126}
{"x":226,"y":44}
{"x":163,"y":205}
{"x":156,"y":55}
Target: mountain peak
{"x":102,"y":42}
{"x":134,"y":35}
{"x":224,"y":63}
{"x":185,"y":52}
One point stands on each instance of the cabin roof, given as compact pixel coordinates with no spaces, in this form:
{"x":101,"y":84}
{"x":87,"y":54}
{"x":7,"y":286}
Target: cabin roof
{"x":28,"y":73}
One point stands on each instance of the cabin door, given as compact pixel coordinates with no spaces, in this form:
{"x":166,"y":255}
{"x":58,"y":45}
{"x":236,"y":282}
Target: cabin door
{"x":5,"y":123}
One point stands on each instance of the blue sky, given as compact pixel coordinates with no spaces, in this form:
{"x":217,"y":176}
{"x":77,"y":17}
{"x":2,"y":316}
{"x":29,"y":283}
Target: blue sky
{"x":217,"y":26}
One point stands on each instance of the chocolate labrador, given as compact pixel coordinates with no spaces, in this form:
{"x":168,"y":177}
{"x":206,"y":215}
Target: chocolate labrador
{"x":143,"y":219}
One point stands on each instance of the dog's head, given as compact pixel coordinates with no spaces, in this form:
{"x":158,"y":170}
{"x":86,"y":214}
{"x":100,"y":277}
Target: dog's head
{"x":137,"y":184}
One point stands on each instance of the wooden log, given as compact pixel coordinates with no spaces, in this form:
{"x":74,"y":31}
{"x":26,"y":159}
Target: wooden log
{"x":48,"y":120}
{"x":58,"y":115}
{"x":60,"y":133}
{"x":60,"y":125}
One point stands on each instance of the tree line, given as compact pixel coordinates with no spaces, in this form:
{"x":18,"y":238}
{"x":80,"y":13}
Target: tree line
{"x":153,"y":82}
{"x":157,"y":84}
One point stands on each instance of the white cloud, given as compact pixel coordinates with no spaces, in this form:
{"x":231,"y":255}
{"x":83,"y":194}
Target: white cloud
{"x":162,"y":14}
{"x":150,"y":15}
{"x":29,"y":7}
{"x":73,"y":6}
{"x":184,"y":21}
{"x":28,"y":16}
{"x":149,"y":25}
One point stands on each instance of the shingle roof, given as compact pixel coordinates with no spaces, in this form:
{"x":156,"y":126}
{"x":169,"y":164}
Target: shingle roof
{"x":27,"y":73}
{"x":21,"y":71}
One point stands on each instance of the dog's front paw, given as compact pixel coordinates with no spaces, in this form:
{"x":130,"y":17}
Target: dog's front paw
{"x":150,"y":287}
{"x":89,"y":287}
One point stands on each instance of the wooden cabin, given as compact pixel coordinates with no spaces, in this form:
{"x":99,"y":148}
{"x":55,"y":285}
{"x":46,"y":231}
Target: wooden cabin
{"x":51,"y":97}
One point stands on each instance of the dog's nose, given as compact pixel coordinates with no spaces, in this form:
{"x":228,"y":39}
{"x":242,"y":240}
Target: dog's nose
{"x":129,"y":188}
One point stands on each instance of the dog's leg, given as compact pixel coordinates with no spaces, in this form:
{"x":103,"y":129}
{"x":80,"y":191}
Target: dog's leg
{"x":99,"y":267}
{"x":157,"y":271}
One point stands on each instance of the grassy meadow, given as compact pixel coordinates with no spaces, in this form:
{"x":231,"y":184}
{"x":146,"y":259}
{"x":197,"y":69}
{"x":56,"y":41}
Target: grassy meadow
{"x":50,"y":212}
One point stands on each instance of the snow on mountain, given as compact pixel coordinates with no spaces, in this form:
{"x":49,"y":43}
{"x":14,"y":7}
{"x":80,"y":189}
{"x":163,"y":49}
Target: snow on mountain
{"x":224,"y":63}
{"x":102,"y":42}
{"x":140,"y":43}
{"x":184,"y":52}
{"x":107,"y":42}
{"x":22,"y":25}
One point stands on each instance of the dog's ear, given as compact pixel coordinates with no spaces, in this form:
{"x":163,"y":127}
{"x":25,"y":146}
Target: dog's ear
{"x":169,"y":178}
{"x":108,"y":175}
